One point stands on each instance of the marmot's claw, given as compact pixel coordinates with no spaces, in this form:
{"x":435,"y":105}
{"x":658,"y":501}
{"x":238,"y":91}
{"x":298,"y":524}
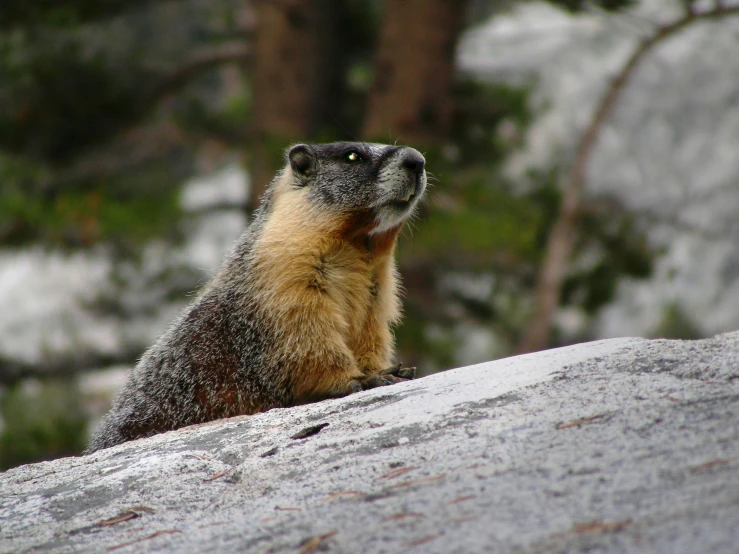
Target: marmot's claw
{"x":354,"y":386}
{"x":407,"y":373}
{"x":389,"y":376}
{"x":392,"y":370}
{"x":399,"y":371}
{"x":375,"y":381}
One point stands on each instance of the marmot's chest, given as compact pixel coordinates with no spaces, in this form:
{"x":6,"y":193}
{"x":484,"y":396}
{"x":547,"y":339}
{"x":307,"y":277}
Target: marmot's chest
{"x":351,"y":282}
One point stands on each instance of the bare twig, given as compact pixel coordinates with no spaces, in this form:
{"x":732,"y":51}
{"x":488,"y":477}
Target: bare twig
{"x":12,"y":371}
{"x":561,"y":238}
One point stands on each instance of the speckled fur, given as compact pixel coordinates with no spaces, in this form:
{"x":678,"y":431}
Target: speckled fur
{"x":302,"y":306}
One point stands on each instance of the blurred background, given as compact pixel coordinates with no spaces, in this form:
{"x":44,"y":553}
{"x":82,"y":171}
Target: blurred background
{"x":585,"y":159}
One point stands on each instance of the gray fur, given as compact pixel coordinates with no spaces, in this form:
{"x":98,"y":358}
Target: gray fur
{"x":214,"y":361}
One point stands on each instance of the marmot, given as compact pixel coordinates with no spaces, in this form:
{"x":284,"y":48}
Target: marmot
{"x":300,"y":310}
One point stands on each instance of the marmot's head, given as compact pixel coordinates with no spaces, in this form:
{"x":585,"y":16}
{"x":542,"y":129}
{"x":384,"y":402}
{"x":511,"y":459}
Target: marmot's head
{"x":374,"y":187}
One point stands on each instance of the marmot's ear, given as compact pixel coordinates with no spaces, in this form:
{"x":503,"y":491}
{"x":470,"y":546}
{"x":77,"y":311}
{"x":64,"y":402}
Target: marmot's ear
{"x":302,"y":160}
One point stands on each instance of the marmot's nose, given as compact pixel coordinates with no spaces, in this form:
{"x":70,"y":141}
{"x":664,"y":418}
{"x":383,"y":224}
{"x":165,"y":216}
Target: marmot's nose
{"x":413,"y":161}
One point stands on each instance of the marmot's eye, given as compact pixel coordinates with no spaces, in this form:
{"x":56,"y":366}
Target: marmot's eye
{"x":353,"y":157}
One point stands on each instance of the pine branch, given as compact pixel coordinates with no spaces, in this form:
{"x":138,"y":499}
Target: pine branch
{"x":199,"y":63}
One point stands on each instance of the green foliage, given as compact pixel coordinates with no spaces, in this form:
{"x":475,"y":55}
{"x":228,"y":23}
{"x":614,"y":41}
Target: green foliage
{"x":489,"y":122}
{"x":73,"y":170}
{"x":616,"y":248}
{"x":431,"y":349}
{"x":41,"y":421}
{"x":676,"y":323}
{"x":58,"y":100}
{"x":485,"y":223}
{"x":124,"y":210}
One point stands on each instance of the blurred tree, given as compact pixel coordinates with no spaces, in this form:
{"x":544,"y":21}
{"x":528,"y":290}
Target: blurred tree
{"x":411,"y":98}
{"x":307,"y":73}
{"x":41,"y":421}
{"x":296,"y":80}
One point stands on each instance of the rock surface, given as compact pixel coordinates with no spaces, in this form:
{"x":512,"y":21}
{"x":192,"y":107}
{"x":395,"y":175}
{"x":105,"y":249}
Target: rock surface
{"x":612,"y":446}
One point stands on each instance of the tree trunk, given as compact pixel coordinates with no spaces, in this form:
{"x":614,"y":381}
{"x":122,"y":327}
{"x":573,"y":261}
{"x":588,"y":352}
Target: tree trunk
{"x":293,"y":76}
{"x":410,"y":100}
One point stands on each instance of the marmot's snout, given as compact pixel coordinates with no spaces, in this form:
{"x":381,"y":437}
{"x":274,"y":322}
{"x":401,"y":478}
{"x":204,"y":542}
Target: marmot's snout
{"x":409,"y":177}
{"x":413,"y":161}
{"x":403,"y":181}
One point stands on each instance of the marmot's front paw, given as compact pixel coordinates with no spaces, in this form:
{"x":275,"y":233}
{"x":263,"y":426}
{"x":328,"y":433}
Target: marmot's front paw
{"x":405,"y":373}
{"x":389,"y":376}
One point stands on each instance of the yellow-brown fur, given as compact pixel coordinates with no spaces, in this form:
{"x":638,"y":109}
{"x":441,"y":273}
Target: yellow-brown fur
{"x":335,"y":300}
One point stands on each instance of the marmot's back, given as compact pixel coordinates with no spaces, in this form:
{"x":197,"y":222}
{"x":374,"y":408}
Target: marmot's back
{"x":301,"y":310}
